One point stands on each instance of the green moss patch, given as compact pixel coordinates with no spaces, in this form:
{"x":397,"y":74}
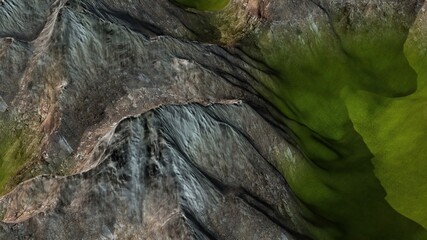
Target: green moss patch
{"x":12,"y":156}
{"x":356,"y":112}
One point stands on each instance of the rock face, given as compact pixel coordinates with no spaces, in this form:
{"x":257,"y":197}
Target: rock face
{"x":149,"y":119}
{"x":176,"y":172}
{"x":71,"y":70}
{"x":91,"y":64}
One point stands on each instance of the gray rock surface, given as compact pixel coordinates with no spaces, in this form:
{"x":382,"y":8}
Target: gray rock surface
{"x":130,"y":118}
{"x":176,"y":172}
{"x":77,"y":68}
{"x":92,"y":64}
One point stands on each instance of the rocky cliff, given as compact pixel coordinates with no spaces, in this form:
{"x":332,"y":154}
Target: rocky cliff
{"x":240,"y":119}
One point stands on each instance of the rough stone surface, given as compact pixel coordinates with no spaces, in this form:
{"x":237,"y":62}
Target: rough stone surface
{"x":176,"y":172}
{"x":141,"y":119}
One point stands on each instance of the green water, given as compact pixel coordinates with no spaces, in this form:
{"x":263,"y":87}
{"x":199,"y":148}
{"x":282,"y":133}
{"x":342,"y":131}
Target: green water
{"x":204,"y":4}
{"x":360,"y":116}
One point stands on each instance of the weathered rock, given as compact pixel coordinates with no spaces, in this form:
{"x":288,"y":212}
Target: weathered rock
{"x":176,"y":172}
{"x":194,"y":161}
{"x":89,"y":67}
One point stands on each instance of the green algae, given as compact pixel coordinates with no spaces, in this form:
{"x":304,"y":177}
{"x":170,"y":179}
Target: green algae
{"x":355,"y":111}
{"x":204,"y":5}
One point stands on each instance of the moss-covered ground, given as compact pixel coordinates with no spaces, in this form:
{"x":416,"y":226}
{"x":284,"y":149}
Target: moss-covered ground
{"x":360,"y":116}
{"x":12,"y":155}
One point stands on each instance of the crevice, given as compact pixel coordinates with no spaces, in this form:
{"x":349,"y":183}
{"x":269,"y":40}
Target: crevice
{"x":264,"y":208}
{"x":198,"y":225}
{"x":235,"y":191}
{"x":124,"y":19}
{"x":254,"y":202}
{"x":252,"y":143}
{"x":333,"y":29}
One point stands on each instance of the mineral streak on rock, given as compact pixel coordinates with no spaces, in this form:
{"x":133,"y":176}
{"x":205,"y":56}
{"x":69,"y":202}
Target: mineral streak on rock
{"x":3,"y":105}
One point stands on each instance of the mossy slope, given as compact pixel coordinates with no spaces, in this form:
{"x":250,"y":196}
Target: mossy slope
{"x":12,"y":155}
{"x":354,"y":107}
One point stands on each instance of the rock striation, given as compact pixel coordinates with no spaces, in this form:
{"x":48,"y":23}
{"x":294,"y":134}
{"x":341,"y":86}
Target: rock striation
{"x":175,"y":172}
{"x":240,"y":119}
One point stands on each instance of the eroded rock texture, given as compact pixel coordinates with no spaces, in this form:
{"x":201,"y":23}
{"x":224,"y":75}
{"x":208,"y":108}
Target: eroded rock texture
{"x":71,"y":70}
{"x":144,"y":119}
{"x":91,"y":64}
{"x":177,"y":172}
